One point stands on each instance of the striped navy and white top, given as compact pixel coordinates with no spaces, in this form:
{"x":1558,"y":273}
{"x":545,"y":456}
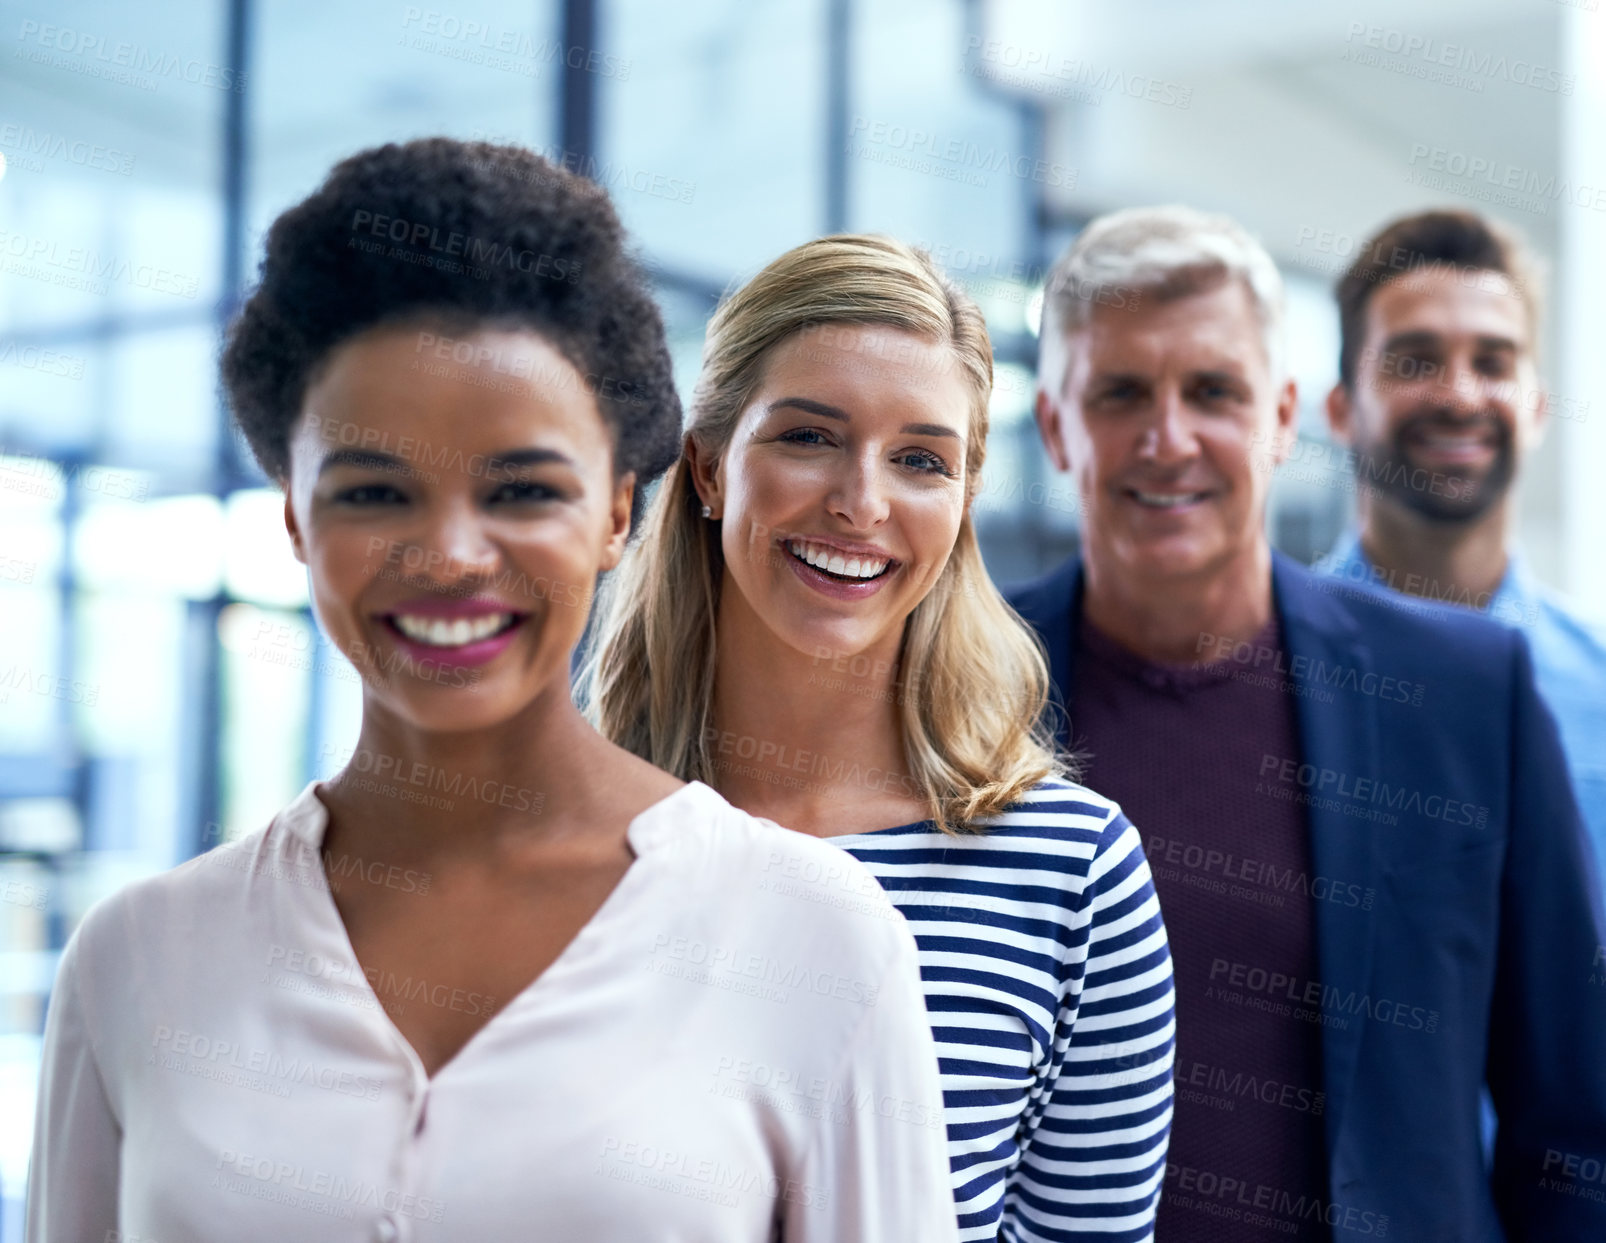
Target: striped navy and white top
{"x":1048,"y":981}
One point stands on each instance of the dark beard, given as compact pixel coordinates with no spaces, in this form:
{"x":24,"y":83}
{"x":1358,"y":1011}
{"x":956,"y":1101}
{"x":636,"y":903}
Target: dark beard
{"x":1438,"y":495}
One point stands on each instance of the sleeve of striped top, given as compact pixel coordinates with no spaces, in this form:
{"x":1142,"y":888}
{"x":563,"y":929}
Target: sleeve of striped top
{"x":1094,"y":1135}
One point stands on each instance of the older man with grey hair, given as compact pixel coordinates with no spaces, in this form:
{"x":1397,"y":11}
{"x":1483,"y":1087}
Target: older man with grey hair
{"x":1371,"y":864}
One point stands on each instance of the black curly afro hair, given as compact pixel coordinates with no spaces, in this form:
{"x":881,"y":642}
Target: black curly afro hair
{"x":464,"y":235}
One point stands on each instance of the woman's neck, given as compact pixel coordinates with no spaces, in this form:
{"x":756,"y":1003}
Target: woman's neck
{"x":472,"y":793}
{"x":814,"y":742}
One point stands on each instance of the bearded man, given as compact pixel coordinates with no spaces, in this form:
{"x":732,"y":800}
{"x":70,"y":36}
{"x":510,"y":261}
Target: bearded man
{"x":1440,"y":398}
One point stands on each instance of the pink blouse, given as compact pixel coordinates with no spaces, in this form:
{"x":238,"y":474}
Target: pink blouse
{"x":734,"y":1049}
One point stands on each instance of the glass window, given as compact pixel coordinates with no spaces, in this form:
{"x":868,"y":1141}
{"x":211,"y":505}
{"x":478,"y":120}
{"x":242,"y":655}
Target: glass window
{"x":730,"y":175}
{"x":933,"y":156}
{"x":371,"y":72}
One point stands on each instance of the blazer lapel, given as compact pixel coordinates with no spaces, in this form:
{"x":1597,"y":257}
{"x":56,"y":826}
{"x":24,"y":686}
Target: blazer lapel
{"x":1338,"y":737}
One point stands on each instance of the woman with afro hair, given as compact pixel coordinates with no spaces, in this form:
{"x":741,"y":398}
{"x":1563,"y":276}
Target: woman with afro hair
{"x":498,"y":978}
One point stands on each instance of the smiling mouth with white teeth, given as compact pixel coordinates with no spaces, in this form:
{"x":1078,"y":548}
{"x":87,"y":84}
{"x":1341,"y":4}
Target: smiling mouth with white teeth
{"x":452,"y":632}
{"x":850,"y":569}
{"x":1166,"y":500}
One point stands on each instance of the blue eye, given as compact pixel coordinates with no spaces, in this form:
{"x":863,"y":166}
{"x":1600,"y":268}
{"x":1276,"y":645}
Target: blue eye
{"x":931,"y":463}
{"x":795,"y":436}
{"x":1217,"y":392}
{"x":1119,"y":391}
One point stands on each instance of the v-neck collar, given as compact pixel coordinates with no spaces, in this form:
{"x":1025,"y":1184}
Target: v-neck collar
{"x":306,"y":817}
{"x":651,"y":834}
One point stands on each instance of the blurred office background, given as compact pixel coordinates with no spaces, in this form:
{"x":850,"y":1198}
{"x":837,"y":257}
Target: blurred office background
{"x":162,"y":685}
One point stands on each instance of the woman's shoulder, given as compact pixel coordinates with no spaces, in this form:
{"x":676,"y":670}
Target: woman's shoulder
{"x":192,"y":902}
{"x":1062,"y":797}
{"x":783,"y":875}
{"x":1057,"y":827}
{"x":698,"y":817}
{"x":1057,"y":810}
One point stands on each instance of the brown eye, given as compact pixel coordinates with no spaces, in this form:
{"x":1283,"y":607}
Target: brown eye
{"x":370,"y":494}
{"x":524,"y":491}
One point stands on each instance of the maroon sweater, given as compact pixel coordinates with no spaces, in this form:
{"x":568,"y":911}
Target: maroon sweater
{"x":1182,"y":748}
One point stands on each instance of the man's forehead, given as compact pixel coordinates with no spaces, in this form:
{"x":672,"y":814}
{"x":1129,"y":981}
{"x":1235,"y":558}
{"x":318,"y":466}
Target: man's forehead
{"x":1215,"y":330}
{"x":1478,"y":303}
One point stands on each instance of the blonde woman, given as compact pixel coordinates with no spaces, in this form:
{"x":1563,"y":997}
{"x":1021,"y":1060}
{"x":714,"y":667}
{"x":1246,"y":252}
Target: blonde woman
{"x":805,"y":624}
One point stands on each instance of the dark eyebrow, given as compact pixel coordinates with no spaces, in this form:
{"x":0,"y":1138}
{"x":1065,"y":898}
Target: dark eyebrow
{"x":1411,"y":340}
{"x":809,"y":406}
{"x":1420,"y":337}
{"x":510,"y":458}
{"x":364,"y":458}
{"x":371,"y":459}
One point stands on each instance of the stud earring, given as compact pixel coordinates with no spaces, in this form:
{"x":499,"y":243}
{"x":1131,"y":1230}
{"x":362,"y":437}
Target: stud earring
{"x":707,"y":512}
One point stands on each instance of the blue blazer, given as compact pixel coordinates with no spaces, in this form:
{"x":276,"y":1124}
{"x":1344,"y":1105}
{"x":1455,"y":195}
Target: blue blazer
{"x":1482,"y":960}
